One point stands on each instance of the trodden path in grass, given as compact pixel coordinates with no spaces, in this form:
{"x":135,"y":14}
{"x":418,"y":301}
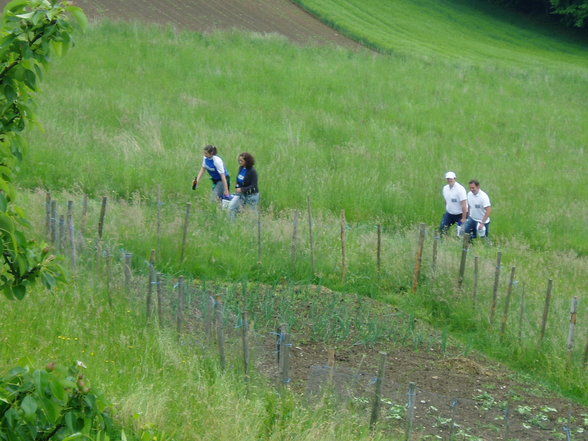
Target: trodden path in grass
{"x":264,"y":16}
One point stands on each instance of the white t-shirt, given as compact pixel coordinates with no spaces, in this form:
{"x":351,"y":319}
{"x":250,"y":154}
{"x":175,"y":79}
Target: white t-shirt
{"x":453,"y":198}
{"x":218,"y":164}
{"x":477,"y":205}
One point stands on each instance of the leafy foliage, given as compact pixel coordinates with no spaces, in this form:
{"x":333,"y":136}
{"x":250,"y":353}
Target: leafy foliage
{"x":52,"y":403}
{"x":573,"y":12}
{"x":31,"y":31}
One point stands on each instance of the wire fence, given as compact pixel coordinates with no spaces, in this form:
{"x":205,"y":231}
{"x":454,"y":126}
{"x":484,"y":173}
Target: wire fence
{"x":255,"y":327}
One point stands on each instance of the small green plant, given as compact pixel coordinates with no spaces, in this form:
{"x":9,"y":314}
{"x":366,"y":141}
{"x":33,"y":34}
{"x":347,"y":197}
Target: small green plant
{"x":51,"y":403}
{"x":395,"y":411}
{"x":486,"y":400}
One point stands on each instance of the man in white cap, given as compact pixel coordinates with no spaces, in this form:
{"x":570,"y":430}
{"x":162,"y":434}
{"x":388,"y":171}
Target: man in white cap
{"x":455,"y":203}
{"x":479,"y":210}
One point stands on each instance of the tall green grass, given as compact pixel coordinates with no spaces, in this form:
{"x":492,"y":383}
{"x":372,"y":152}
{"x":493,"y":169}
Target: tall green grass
{"x":159,"y":388}
{"x":220,"y":250}
{"x":131,"y":107}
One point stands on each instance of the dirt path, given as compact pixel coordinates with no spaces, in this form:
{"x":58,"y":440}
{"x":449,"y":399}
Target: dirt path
{"x":265,"y":16}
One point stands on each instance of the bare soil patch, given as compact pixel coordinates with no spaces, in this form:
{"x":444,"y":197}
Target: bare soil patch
{"x":460,"y":394}
{"x":264,"y":16}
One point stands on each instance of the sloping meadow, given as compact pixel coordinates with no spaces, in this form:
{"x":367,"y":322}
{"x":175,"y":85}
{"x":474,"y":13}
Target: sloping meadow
{"x":131,"y":107}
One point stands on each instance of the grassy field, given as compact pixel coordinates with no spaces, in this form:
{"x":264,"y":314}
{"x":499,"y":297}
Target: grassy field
{"x":132,"y":226}
{"x":469,"y":32}
{"x":129,"y":109}
{"x":367,"y":133}
{"x":159,"y":389}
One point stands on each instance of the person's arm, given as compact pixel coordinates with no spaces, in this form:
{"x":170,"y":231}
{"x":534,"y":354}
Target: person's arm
{"x":250,"y":181}
{"x":199,"y":176}
{"x":225,"y":185}
{"x":464,"y":210}
{"x":488,"y":212}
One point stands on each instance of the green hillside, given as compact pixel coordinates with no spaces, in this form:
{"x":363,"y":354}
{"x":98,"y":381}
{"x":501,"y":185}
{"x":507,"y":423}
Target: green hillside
{"x":349,"y":144}
{"x":460,"y":31}
{"x":132,"y":106}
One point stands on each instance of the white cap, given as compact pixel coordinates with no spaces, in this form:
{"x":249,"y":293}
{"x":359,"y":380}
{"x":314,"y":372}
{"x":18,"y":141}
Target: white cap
{"x":449,"y":175}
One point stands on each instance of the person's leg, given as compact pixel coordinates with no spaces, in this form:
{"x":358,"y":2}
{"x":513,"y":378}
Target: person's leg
{"x":217,"y":191}
{"x":470,"y":227}
{"x":445,"y":223}
{"x":235,"y":206}
{"x":252,"y":200}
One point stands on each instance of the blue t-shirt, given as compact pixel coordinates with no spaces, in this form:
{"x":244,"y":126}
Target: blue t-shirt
{"x":241,"y":177}
{"x":215,"y":167}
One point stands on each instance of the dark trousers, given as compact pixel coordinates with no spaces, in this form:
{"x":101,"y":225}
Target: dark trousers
{"x":448,"y":220}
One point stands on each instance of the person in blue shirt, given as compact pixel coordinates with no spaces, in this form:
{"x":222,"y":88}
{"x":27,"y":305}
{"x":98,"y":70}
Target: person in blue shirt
{"x":247,"y":190}
{"x":219,"y":175}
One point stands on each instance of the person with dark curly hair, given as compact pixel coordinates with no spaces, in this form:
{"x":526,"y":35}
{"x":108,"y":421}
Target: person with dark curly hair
{"x":246,"y":189}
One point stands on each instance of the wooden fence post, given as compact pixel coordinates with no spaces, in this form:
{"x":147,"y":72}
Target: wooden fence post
{"x":158,"y":224}
{"x":150,"y":283}
{"x":507,"y":302}
{"x":343,"y":246}
{"x":48,"y":215}
{"x":572,"y":330}
{"x":476,"y":277}
{"x":311,"y":239}
{"x":410,"y":410}
{"x":180,"y":311}
{"x":284,"y":355}
{"x":185,"y":232}
{"x":419,"y":258}
{"x":84,"y":220}
{"x":71,"y":238}
{"x":245,"y":336}
{"x":209,"y":323}
{"x":108,"y":259}
{"x":378,"y":391}
{"x":220,"y":330}
{"x":127,"y":271}
{"x":546,"y":310}
{"x":53,"y":234}
{"x":379,"y":248}
{"x":259,"y":237}
{"x":462,"y":264}
{"x":102,"y":215}
{"x":495,"y":291}
{"x":521,"y":314}
{"x":295,"y":237}
{"x":586,"y":354}
{"x":158,"y":284}
{"x":61,"y":241}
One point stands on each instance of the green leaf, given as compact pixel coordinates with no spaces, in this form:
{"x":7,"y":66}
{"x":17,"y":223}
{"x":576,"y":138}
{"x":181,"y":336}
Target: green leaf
{"x":3,"y":202}
{"x":6,"y":223}
{"x":30,"y":79}
{"x":58,"y":389}
{"x":19,"y":291}
{"x":9,"y":92}
{"x":15,"y":4}
{"x":79,"y":16}
{"x":7,"y":290}
{"x":73,"y":436}
{"x":29,"y":406}
{"x":25,"y":16}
